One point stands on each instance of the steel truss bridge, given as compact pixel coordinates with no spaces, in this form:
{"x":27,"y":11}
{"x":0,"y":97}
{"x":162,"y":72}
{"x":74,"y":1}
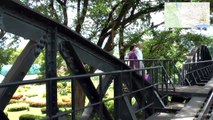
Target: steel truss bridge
{"x":170,"y":94}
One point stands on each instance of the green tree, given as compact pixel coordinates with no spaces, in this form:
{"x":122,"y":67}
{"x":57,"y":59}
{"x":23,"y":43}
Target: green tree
{"x":98,"y":20}
{"x":172,"y":44}
{"x":8,"y":49}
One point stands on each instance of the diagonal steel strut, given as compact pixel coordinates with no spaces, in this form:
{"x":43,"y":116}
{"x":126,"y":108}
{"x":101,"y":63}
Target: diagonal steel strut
{"x":18,"y":72}
{"x":76,"y":66}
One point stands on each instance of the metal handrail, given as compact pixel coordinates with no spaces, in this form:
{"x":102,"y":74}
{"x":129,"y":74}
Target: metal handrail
{"x":73,"y":111}
{"x":193,"y":71}
{"x":103,"y":101}
{"x":72,"y":77}
{"x":198,"y":69}
{"x":198,"y":62}
{"x":167,"y":75}
{"x":159,"y":62}
{"x":195,"y":63}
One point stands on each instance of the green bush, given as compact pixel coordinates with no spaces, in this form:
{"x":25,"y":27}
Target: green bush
{"x":17,"y":107}
{"x":43,"y":110}
{"x":62,"y":91}
{"x":68,"y":88}
{"x":26,"y":86}
{"x":31,"y":95}
{"x":31,"y":117}
{"x":44,"y":95}
{"x":60,"y":85}
{"x":61,"y":109}
{"x":110,"y":106}
{"x":64,"y":84}
{"x":62,"y":88}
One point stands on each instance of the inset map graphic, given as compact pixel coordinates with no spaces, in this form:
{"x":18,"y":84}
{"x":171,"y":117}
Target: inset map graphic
{"x":186,"y":14}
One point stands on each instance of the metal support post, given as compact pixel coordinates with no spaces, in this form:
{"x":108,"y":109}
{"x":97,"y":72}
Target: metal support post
{"x":122,"y":107}
{"x":73,"y":98}
{"x":51,"y":86}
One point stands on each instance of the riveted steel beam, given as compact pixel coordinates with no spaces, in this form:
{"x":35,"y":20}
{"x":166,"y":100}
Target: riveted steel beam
{"x":18,"y":71}
{"x":76,"y":66}
{"x":50,"y":66}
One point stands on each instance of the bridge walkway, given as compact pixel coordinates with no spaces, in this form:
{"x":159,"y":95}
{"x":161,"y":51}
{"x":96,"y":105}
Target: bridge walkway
{"x":192,"y":109}
{"x":188,"y":91}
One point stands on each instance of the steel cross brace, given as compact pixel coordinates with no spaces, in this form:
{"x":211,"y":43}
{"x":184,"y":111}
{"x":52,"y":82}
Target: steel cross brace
{"x":76,"y":66}
{"x":102,"y":87}
{"x":19,"y":70}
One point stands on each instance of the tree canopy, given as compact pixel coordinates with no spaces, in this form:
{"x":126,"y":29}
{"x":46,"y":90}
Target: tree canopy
{"x":173,"y":44}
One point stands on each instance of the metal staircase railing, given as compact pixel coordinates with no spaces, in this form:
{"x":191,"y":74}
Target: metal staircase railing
{"x":170,"y":73}
{"x":197,"y":72}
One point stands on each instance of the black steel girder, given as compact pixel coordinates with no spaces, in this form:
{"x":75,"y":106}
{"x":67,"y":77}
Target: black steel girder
{"x":22,"y":21}
{"x":50,"y":72}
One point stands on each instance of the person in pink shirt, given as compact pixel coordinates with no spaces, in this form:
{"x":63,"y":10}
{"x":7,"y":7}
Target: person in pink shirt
{"x":132,"y":57}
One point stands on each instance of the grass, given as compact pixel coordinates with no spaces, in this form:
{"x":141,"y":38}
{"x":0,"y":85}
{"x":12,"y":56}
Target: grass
{"x":38,"y":92}
{"x":32,"y":110}
{"x":28,"y":91}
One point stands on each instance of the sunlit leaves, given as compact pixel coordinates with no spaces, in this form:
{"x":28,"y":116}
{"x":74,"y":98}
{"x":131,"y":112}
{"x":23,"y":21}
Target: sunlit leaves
{"x":172,"y":44}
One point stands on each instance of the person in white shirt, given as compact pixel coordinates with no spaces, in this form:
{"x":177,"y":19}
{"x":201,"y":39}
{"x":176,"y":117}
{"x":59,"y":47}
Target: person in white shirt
{"x":139,"y":54}
{"x":138,"y":51}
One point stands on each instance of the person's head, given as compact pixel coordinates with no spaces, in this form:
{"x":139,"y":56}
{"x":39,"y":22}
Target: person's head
{"x":139,"y":45}
{"x":132,"y":48}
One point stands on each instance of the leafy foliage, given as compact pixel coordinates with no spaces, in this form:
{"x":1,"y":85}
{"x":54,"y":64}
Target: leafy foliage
{"x":172,"y":44}
{"x":8,"y":48}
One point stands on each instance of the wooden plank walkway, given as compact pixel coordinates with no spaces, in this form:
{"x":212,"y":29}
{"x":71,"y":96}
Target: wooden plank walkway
{"x":194,"y":105}
{"x":161,"y":116}
{"x":166,"y":116}
{"x":190,"y":109}
{"x":188,"y":91}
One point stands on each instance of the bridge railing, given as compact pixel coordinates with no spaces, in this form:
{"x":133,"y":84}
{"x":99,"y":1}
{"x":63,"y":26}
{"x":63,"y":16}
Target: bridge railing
{"x":197,"y":72}
{"x":170,"y":71}
{"x":156,"y":81}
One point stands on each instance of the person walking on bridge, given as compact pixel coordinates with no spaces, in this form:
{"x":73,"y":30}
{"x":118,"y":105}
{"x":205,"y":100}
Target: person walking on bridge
{"x":139,"y":54}
{"x":132,"y":57}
